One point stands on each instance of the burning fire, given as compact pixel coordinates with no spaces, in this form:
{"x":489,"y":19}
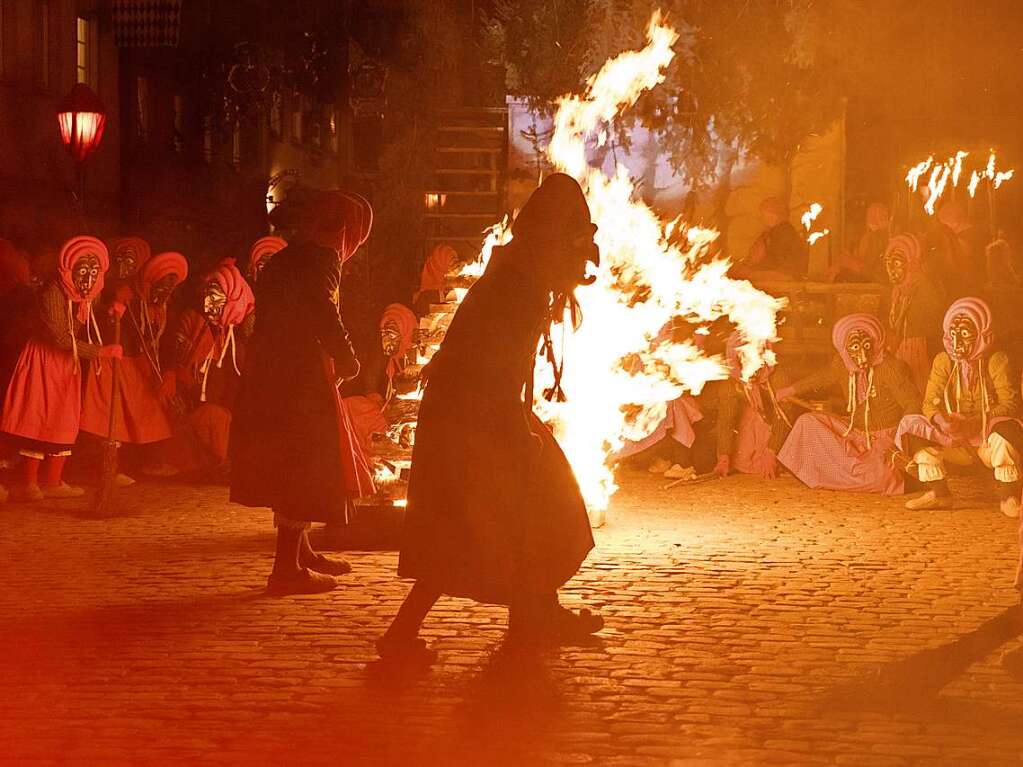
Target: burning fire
{"x":952,"y":169}
{"x":620,"y":372}
{"x":808,"y":218}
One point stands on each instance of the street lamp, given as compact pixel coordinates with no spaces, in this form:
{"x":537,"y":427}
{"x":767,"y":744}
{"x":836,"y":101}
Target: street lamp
{"x":82,"y":117}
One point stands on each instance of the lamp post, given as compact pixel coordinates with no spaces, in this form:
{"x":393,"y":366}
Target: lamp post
{"x":81,"y":117}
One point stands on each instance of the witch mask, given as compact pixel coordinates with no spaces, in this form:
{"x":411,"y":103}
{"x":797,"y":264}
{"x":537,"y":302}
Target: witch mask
{"x":860,"y":348}
{"x":963,"y":333}
{"x":214,"y":299}
{"x":85,"y":273}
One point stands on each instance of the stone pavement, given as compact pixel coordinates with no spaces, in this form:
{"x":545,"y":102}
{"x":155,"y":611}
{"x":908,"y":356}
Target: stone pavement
{"x":747,"y":624}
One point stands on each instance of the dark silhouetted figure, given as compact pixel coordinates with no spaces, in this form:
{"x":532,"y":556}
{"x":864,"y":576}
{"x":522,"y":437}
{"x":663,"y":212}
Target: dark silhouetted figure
{"x":494,"y":511}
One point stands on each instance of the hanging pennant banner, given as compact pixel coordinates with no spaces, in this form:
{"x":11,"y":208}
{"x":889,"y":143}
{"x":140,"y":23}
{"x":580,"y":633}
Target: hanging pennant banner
{"x":147,"y":23}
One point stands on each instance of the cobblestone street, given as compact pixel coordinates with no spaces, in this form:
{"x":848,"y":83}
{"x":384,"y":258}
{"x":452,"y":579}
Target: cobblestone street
{"x":746,"y":624}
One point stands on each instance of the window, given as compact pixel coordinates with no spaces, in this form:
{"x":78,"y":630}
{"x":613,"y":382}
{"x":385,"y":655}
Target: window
{"x":3,"y":28}
{"x":236,"y":145}
{"x":44,"y":44}
{"x":207,"y":139}
{"x":142,"y":108}
{"x":85,"y":39}
{"x":178,"y":139}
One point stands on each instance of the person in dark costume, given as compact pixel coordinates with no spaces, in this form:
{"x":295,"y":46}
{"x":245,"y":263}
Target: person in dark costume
{"x":293,"y":447}
{"x":494,"y":510}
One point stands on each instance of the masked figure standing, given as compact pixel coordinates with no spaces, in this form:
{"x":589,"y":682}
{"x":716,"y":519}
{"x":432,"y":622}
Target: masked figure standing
{"x":494,"y":511}
{"x":142,"y":306}
{"x":970,"y":412}
{"x":293,"y":447}
{"x":828,"y":452}
{"x":915,"y":308}
{"x":42,"y":409}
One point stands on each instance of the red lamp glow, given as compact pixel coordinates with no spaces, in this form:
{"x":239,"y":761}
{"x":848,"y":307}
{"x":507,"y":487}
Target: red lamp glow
{"x":82,"y":117}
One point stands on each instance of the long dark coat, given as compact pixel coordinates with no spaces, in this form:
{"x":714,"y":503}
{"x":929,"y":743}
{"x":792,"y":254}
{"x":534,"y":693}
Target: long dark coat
{"x":292,"y":445}
{"x":494,"y":510}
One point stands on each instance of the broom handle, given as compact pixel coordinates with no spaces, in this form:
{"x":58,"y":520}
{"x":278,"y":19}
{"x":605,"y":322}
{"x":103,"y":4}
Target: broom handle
{"x":115,"y":390}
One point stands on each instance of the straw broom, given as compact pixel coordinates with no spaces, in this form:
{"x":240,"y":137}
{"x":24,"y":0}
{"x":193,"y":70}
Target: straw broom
{"x":108,"y":471}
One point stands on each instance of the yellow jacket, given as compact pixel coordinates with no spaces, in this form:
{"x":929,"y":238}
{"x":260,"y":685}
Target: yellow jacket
{"x":1002,"y":391}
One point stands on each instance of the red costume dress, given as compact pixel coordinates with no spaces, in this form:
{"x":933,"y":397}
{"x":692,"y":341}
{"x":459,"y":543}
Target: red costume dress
{"x":293,"y":447}
{"x":432,"y":279}
{"x":827,"y":452}
{"x":42,"y":408}
{"x":141,"y":417}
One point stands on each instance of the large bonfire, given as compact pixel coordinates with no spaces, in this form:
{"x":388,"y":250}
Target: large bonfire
{"x":620,"y":368}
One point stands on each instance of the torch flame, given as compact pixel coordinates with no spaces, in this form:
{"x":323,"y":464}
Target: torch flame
{"x":952,"y":168}
{"x":811,"y":215}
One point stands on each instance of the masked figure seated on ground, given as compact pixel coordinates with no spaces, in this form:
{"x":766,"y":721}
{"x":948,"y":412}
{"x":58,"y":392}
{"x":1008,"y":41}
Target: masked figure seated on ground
{"x":680,"y":445}
{"x":141,"y":417}
{"x":752,"y":424}
{"x":970,"y":412}
{"x":915,"y":308}
{"x":260,"y":253}
{"x":432,"y":281}
{"x":42,"y":408}
{"x":397,"y":332}
{"x":200,"y":378}
{"x":853,"y":452}
{"x":780,"y":252}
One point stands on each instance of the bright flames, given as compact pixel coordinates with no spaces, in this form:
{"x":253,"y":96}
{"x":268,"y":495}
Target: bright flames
{"x":620,"y":369}
{"x":951,"y":170}
{"x":808,"y":219}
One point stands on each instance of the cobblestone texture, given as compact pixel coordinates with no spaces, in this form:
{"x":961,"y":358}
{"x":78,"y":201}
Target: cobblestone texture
{"x":747,"y":624}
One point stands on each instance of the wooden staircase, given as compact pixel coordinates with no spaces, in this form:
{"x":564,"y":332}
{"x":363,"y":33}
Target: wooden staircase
{"x":466,"y":192}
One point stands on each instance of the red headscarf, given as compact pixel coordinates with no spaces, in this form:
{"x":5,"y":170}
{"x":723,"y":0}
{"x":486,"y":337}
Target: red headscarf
{"x":240,"y":300}
{"x":367,"y":416}
{"x":402,"y":317}
{"x":158,"y":267}
{"x":261,"y":250}
{"x":435,"y":269}
{"x":14,"y":268}
{"x":866,"y":323}
{"x":140,"y":246}
{"x":73,"y":251}
{"x":317,"y":210}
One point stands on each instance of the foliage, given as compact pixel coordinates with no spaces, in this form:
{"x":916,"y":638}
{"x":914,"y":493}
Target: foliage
{"x":756,"y":76}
